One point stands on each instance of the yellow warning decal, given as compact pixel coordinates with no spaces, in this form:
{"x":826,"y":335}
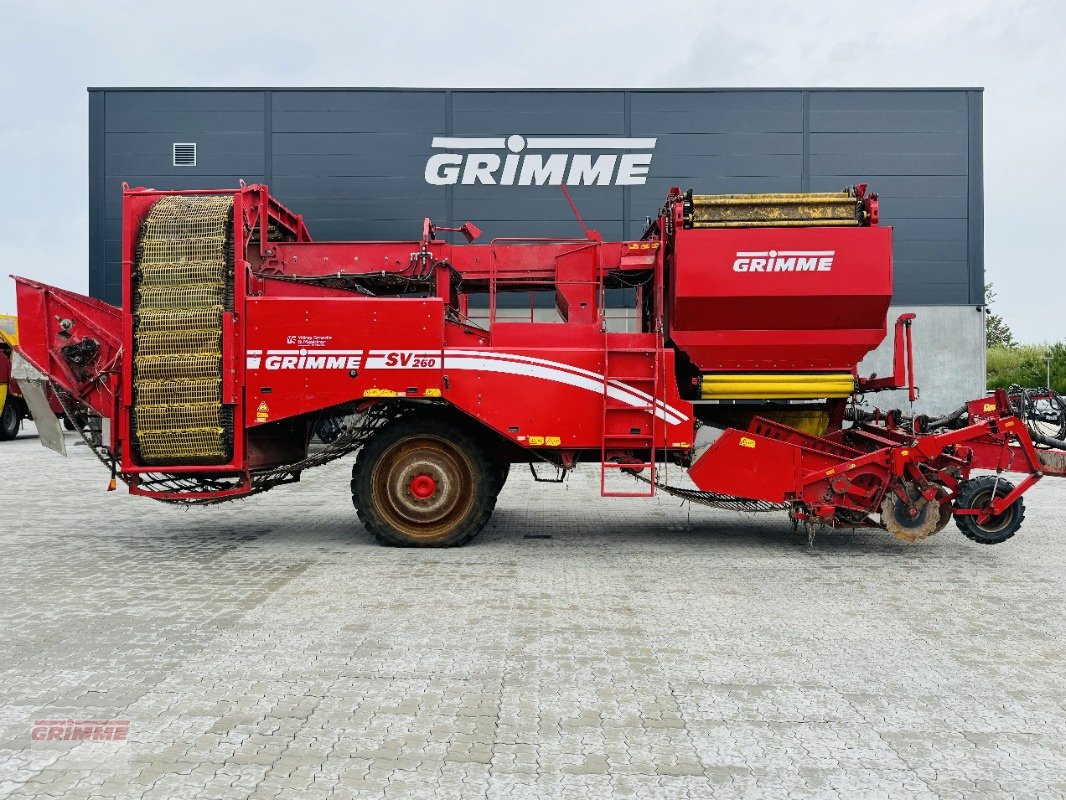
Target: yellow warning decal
{"x":680,"y":444}
{"x":552,"y":441}
{"x":830,"y":472}
{"x":989,"y":407}
{"x":432,"y":393}
{"x":746,"y":442}
{"x":379,"y":393}
{"x":1008,"y":424}
{"x":536,"y":440}
{"x":904,"y":452}
{"x":262,"y":414}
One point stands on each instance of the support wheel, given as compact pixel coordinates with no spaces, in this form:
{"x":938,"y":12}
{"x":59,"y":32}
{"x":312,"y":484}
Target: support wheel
{"x":10,"y":421}
{"x":327,"y":429}
{"x":423,"y":483}
{"x":977,"y":493}
{"x":914,"y":521}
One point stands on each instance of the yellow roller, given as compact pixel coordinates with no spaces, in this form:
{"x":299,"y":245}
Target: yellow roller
{"x":776,"y":386}
{"x":786,"y":210}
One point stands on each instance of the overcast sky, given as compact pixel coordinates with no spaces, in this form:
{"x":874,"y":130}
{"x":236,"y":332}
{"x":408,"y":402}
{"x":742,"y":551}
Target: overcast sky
{"x":51,"y":51}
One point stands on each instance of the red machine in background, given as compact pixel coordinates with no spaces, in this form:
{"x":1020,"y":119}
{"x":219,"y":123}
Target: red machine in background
{"x":238,"y":334}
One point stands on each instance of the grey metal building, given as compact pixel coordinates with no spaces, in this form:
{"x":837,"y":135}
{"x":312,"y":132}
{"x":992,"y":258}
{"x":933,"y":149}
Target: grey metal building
{"x":371,"y":163}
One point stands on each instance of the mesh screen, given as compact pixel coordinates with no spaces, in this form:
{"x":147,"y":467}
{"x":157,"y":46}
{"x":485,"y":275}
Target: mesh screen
{"x":181,"y":288}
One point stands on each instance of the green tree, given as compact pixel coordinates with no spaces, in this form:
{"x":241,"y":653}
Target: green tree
{"x":1026,"y":365}
{"x":997,"y":331}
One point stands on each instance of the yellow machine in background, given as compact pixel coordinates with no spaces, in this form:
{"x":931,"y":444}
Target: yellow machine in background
{"x":13,"y":407}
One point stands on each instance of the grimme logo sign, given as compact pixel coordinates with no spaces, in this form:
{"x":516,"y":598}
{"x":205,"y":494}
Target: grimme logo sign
{"x":784,"y":261}
{"x":539,"y":161}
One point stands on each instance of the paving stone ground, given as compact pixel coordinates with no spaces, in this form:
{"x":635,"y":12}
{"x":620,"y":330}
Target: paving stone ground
{"x":270,"y":649}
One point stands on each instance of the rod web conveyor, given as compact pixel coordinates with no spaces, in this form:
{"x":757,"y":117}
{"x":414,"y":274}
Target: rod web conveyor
{"x":181,"y":287}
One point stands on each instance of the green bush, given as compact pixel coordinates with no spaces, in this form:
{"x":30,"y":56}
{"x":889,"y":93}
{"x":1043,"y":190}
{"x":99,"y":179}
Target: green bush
{"x":1025,"y":366}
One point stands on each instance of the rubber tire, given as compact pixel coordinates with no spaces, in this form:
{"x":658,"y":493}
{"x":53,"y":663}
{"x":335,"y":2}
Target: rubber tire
{"x":328,"y":429}
{"x":67,"y":424}
{"x":10,"y":422}
{"x":970,"y":495}
{"x":500,"y":473}
{"x":483,"y":478}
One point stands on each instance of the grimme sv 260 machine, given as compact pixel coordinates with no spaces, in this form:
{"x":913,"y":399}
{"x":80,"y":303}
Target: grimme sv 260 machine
{"x":239,"y":334}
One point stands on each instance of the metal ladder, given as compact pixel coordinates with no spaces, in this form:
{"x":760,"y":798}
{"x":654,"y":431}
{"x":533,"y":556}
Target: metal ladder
{"x":621,"y":430}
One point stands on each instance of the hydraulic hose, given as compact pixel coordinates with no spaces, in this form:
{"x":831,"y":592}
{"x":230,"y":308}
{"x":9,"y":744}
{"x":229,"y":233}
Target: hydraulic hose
{"x":1047,"y":441}
{"x":1025,"y":407}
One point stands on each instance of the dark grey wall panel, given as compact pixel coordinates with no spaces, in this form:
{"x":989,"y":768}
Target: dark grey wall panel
{"x":594,"y":101}
{"x":330,"y":143}
{"x":142,"y":101}
{"x":913,"y":149}
{"x":352,"y":161}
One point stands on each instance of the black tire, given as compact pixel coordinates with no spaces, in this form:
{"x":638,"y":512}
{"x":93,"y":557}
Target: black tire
{"x":976,"y":493}
{"x":500,"y":473}
{"x":70,"y":426}
{"x":10,"y":421}
{"x":446,"y":462}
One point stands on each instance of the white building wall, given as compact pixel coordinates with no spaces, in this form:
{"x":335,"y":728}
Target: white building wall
{"x":949,"y":358}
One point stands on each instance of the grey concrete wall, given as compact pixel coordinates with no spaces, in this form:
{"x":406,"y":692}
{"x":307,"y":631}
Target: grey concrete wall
{"x":949,"y":358}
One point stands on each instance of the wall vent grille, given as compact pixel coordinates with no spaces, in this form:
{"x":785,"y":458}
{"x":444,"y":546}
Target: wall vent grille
{"x":184,"y":154}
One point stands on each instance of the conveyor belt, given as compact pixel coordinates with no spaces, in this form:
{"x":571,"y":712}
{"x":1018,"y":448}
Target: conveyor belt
{"x":181,"y":288}
{"x":798,"y":210}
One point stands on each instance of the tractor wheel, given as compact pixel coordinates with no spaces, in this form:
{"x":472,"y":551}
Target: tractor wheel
{"x":500,"y":473}
{"x":423,"y":483}
{"x":10,"y":421}
{"x":977,"y":493}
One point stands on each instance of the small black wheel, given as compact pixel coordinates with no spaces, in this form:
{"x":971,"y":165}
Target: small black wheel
{"x":329,"y":428}
{"x":423,"y":482}
{"x":978,"y":493}
{"x":10,"y":421}
{"x":70,"y":426}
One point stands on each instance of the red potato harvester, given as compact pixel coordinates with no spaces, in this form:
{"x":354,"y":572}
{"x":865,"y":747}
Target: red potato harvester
{"x":239,"y":336}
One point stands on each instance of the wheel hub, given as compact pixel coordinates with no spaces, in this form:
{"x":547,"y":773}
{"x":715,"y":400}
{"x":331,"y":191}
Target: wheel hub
{"x":423,"y":487}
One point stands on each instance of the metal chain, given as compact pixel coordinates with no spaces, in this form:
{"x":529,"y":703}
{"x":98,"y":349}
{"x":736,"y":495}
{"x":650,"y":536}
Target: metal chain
{"x":724,"y":501}
{"x":350,"y":439}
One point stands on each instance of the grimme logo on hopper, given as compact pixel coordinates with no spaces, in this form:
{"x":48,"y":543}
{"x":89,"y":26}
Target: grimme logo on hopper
{"x":539,"y":161}
{"x":784,"y":261}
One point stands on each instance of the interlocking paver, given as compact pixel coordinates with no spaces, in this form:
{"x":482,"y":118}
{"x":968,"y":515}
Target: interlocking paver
{"x":269,"y":649}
